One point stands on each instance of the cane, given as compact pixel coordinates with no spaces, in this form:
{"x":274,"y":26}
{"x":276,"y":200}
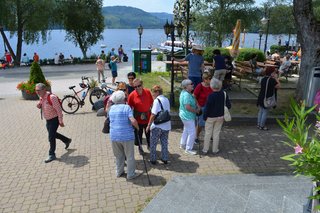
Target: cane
{"x":144,"y":161}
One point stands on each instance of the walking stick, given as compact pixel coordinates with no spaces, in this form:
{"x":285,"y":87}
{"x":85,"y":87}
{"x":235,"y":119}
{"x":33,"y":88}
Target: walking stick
{"x":144,"y":161}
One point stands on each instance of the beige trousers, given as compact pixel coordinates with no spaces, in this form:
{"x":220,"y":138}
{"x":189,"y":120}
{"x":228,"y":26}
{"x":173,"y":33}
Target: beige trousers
{"x":212,"y":129}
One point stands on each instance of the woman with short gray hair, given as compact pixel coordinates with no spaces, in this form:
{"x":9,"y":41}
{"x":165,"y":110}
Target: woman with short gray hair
{"x":187,"y":112}
{"x":213,"y":115}
{"x":122,"y":135}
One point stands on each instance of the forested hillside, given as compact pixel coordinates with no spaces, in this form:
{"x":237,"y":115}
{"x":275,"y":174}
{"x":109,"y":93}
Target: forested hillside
{"x":130,"y":17}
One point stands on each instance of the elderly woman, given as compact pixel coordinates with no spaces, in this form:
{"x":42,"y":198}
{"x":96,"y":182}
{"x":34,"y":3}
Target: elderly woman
{"x":187,"y":112}
{"x":122,"y":135}
{"x":213,"y":115}
{"x":273,"y":84}
{"x":140,"y":100}
{"x":159,"y":131}
{"x":201,"y":92}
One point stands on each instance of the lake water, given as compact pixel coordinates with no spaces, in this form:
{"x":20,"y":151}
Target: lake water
{"x":129,"y":38}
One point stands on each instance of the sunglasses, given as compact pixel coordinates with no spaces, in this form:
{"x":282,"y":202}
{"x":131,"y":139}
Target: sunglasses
{"x":137,"y":86}
{"x":38,"y":90}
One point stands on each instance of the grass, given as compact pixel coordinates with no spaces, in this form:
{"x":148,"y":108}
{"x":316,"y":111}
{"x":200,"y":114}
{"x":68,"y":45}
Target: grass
{"x":239,"y":108}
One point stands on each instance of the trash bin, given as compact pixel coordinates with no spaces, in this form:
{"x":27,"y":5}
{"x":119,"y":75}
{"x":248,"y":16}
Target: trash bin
{"x":313,"y":86}
{"x":145,"y":61}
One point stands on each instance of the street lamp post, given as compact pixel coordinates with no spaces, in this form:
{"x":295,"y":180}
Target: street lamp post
{"x":266,"y":21}
{"x":140,"y":31}
{"x":169,"y":29}
{"x":260,"y":35}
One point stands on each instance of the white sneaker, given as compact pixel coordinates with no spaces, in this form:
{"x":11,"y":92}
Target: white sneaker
{"x":190,"y":152}
{"x":216,"y":152}
{"x":182,"y":146}
{"x":137,"y":174}
{"x":204,"y":152}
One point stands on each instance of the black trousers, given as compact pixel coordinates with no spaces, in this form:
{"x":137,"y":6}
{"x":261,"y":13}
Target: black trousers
{"x":52,"y":127}
{"x":142,"y":127}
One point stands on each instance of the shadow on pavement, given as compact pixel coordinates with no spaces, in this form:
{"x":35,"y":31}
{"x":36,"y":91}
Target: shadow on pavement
{"x":76,"y":161}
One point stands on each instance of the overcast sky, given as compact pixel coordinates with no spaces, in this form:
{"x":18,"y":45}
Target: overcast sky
{"x":149,"y":5}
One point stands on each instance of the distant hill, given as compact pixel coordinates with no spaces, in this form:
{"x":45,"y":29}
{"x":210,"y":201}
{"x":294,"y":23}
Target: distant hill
{"x":163,"y":16}
{"x":122,"y":17}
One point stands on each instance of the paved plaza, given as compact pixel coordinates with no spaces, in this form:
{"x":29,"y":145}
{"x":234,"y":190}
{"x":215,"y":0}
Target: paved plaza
{"x":83,"y":178}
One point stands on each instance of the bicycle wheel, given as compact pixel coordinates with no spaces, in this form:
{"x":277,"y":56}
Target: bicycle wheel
{"x":96,"y":94}
{"x":70,"y":104}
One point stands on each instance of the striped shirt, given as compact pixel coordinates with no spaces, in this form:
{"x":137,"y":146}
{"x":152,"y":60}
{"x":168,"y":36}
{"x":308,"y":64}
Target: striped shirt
{"x":51,"y":111}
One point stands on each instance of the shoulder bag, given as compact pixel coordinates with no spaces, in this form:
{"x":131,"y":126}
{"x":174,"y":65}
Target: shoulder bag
{"x":162,"y":116}
{"x":227,"y":115}
{"x":106,"y":125}
{"x":271,"y":101}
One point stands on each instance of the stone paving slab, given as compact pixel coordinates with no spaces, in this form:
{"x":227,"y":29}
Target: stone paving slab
{"x":83,"y":178}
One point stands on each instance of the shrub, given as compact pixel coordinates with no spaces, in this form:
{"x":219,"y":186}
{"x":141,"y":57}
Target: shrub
{"x":208,"y":55}
{"x":280,"y":49}
{"x":36,"y":76}
{"x":160,"y":57}
{"x":245,"y":54}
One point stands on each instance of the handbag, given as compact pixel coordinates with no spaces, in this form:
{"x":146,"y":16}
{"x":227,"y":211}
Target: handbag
{"x":106,"y":126}
{"x":227,"y":115}
{"x":271,"y":101}
{"x":162,"y":116}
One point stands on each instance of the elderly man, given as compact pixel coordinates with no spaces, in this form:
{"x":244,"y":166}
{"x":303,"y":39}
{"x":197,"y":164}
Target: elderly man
{"x":122,"y":135}
{"x":52,"y":112}
{"x":140,"y":100}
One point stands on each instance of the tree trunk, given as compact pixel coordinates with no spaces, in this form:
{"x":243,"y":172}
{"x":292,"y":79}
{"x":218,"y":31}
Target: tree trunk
{"x":309,"y":37}
{"x":19,"y":33}
{"x":6,"y":41}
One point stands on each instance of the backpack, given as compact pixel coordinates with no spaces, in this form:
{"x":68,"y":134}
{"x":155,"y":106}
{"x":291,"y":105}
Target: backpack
{"x":317,"y":100}
{"x":49,"y":99}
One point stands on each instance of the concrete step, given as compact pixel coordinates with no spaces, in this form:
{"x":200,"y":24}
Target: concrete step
{"x":276,"y":199}
{"x":231,"y":193}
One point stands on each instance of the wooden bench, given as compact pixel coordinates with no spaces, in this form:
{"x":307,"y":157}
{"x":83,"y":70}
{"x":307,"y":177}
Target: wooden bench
{"x":184,"y":71}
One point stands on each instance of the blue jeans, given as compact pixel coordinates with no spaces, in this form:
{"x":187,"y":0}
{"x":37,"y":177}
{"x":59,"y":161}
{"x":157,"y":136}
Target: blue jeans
{"x":262,"y":116}
{"x":52,"y":127}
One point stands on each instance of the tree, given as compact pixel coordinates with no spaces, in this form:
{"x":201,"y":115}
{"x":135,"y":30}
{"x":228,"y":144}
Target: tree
{"x":215,"y":19}
{"x":308,"y":27}
{"x":29,"y":20}
{"x":83,"y":22}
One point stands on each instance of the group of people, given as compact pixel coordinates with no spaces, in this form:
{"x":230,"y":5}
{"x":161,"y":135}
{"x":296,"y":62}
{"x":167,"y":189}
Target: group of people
{"x":132,"y":110}
{"x":111,"y":60}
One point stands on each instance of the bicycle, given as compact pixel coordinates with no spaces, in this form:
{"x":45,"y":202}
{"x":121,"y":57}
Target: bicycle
{"x":100,"y":92}
{"x":71,"y":103}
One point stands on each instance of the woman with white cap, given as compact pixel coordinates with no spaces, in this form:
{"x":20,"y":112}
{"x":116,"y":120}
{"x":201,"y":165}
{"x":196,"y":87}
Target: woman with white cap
{"x":196,"y":64}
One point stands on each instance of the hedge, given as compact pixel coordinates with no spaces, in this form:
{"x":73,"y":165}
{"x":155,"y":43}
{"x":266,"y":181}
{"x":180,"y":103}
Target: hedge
{"x":245,"y":54}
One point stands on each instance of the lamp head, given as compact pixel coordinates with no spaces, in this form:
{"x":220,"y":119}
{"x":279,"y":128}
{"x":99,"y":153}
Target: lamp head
{"x":140,"y":30}
{"x":260,"y":32}
{"x":179,"y":29}
{"x":264,"y":20}
{"x":166,"y":28}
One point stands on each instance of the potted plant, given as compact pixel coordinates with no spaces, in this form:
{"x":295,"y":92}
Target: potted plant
{"x":36,"y":76}
{"x":305,"y":145}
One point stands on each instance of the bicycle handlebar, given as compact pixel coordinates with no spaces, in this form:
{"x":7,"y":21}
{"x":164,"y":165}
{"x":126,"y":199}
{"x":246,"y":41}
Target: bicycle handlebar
{"x":84,"y":78}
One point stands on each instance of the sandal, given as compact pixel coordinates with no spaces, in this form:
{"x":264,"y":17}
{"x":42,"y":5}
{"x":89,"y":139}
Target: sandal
{"x":264,"y":128}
